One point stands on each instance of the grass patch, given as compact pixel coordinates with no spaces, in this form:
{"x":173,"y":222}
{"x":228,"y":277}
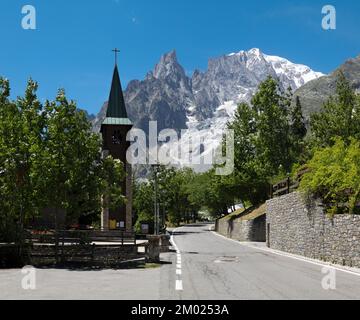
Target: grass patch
{"x":256,"y":213}
{"x":234,"y":214}
{"x":242,"y":215}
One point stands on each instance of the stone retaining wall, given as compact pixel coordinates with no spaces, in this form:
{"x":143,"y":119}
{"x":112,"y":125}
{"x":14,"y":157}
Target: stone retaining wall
{"x":297,"y":227}
{"x":242,"y":230}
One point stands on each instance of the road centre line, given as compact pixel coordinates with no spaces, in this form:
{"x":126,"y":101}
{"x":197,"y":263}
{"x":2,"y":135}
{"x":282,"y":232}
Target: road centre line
{"x":178,"y":283}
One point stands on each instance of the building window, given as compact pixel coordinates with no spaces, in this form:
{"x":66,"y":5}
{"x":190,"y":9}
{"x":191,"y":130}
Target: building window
{"x":116,"y":138}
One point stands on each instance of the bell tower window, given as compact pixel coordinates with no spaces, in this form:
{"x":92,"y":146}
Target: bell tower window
{"x":116,"y":137}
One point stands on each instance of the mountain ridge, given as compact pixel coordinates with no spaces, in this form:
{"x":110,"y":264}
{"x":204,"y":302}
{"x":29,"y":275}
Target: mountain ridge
{"x":316,"y":92}
{"x":178,"y":101}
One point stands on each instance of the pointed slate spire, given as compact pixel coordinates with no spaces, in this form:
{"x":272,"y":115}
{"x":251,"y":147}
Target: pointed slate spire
{"x":116,"y":111}
{"x":116,"y":107}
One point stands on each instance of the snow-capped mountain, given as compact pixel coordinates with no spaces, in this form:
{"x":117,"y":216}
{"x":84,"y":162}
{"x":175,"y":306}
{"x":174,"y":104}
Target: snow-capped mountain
{"x":236,"y":77}
{"x":208,"y":99}
{"x":296,"y":75}
{"x":173,"y":99}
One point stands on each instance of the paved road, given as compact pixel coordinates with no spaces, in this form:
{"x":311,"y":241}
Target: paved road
{"x":211,"y":267}
{"x":216,"y":268}
{"x":63,"y":284}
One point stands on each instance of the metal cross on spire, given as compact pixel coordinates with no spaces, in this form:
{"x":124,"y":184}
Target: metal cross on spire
{"x":116,"y":51}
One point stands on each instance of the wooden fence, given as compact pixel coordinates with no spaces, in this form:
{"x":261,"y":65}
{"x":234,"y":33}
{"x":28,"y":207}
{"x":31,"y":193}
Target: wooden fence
{"x":83,"y":245}
{"x":287,"y":185}
{"x":86,"y":236}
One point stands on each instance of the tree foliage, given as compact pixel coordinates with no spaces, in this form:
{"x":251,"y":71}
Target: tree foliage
{"x":272,"y":143}
{"x":267,"y":142}
{"x":175,"y":195}
{"x":340,"y":116}
{"x":335,"y":166}
{"x":49,"y":158}
{"x":334,"y":176}
{"x":298,"y":133}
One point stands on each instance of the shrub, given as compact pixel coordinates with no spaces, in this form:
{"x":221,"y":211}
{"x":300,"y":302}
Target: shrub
{"x":334,"y":176}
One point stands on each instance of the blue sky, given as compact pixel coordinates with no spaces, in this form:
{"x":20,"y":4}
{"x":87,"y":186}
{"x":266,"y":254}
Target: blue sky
{"x":71,"y":47}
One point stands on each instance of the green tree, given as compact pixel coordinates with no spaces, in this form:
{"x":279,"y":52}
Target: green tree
{"x":334,"y":176}
{"x":21,"y":125}
{"x":143,"y":204}
{"x":244,"y":136}
{"x":273,"y":139}
{"x":249,"y":183}
{"x":268,"y":141}
{"x":78,"y":177}
{"x":10,"y":131}
{"x":340,"y":116}
{"x":49,"y":158}
{"x":211,"y":192}
{"x":298,"y":132}
{"x":297,"y":128}
{"x":335,"y":140}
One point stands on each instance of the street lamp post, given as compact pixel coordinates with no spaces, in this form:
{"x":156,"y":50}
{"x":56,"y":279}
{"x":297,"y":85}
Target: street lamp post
{"x":156,"y":205}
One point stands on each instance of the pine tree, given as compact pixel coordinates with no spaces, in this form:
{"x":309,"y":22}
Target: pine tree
{"x":298,"y":132}
{"x":298,"y":128}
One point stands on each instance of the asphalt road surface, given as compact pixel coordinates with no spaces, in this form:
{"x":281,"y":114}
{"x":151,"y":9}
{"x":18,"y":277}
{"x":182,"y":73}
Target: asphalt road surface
{"x":216,"y":268}
{"x":204,"y":266}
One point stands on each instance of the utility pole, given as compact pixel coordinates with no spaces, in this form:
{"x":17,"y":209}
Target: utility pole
{"x":156,"y":205}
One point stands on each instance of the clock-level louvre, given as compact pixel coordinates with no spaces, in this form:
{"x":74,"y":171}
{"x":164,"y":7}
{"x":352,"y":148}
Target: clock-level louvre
{"x":114,"y":130}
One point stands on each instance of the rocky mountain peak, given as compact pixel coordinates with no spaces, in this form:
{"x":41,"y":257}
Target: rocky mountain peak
{"x":167,"y":95}
{"x":168,"y":67}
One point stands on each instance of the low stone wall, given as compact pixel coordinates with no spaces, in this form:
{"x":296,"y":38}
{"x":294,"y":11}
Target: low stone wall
{"x":243,"y":230}
{"x":41,"y":254}
{"x":297,"y":227}
{"x":104,"y":254}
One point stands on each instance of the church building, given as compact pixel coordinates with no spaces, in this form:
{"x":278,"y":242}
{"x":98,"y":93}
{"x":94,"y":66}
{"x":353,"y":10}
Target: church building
{"x":114,"y":130}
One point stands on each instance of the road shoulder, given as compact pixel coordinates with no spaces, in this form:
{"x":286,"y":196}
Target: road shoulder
{"x":262,"y":247}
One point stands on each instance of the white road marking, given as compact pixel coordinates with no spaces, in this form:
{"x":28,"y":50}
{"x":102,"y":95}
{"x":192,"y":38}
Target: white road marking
{"x":179,"y":285}
{"x":289,"y":255}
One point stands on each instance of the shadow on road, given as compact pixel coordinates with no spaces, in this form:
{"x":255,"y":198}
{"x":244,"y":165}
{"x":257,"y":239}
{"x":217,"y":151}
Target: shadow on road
{"x":82,"y":266}
{"x":197,"y":225}
{"x":179,"y":233}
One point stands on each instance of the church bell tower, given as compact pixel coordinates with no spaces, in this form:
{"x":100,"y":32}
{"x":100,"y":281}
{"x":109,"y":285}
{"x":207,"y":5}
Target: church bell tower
{"x":114,"y":130}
